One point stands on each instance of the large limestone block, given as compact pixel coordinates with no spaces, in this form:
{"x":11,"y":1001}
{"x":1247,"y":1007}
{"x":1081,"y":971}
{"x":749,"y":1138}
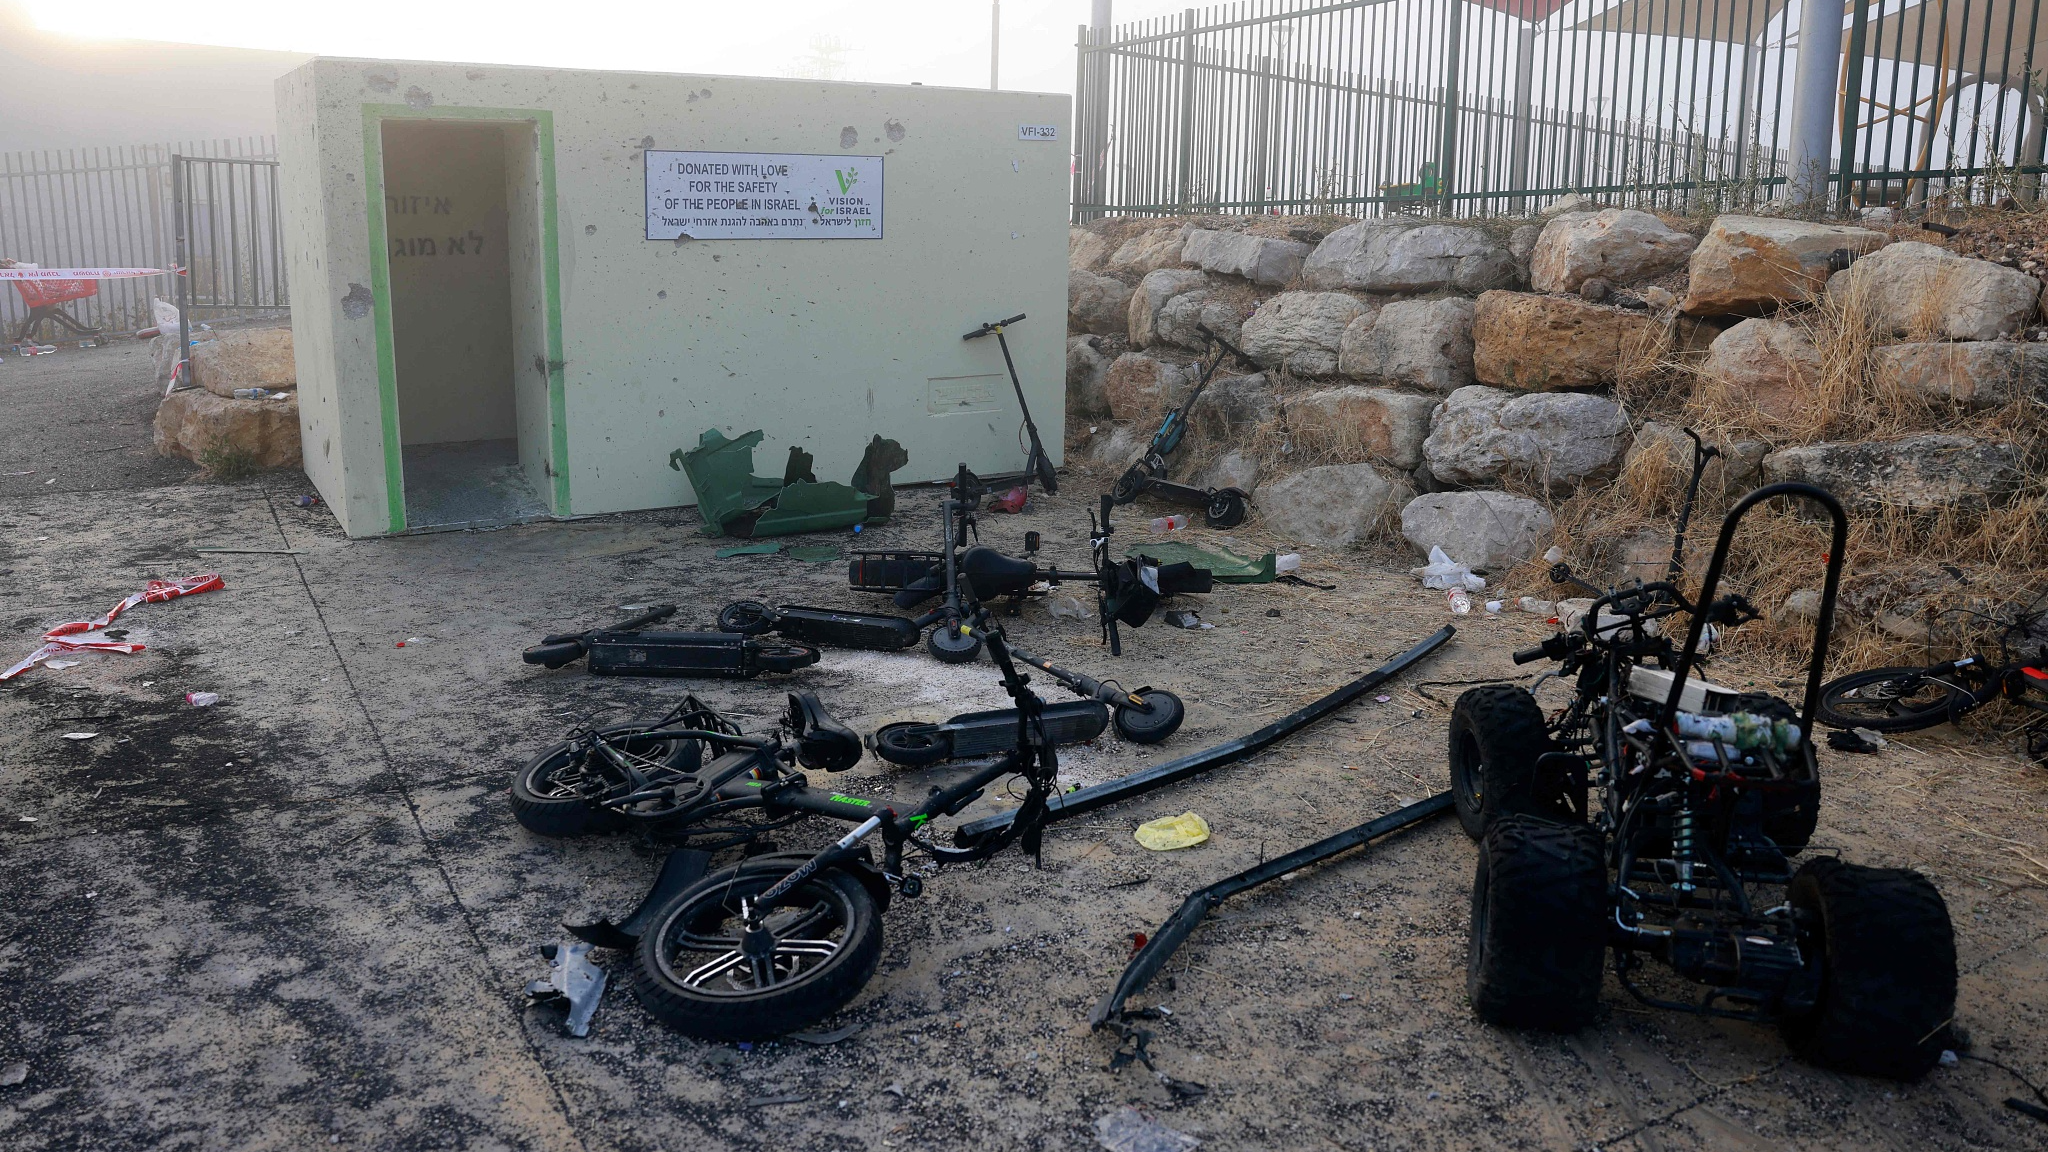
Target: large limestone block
{"x":1404,"y":256}
{"x":1097,"y":304}
{"x":1977,"y":374}
{"x":1540,"y":343}
{"x":1659,"y":462}
{"x":1181,"y":321}
{"x":246,"y":358}
{"x":1618,"y":245}
{"x":1331,"y":506}
{"x":1426,"y":343}
{"x":1154,"y":292}
{"x":1482,"y":435}
{"x":1919,"y":290}
{"x":1085,"y":250}
{"x":1748,"y":265}
{"x":1375,"y":423}
{"x":1143,"y":387}
{"x":1261,"y":259}
{"x":1087,"y":379}
{"x":1231,"y":408}
{"x":1231,"y":470}
{"x":1772,"y":364}
{"x":1302,"y":331}
{"x":1149,"y":251}
{"x":193,"y":422}
{"x":1932,"y":471}
{"x":1493,"y":531}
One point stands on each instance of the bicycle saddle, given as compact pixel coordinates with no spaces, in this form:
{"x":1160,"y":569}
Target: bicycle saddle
{"x":995,"y":574}
{"x":822,"y":742}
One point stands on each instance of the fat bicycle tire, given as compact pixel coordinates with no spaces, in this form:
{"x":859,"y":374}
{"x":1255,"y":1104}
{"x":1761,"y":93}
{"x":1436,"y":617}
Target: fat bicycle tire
{"x":1933,"y":702}
{"x":784,"y":657}
{"x":554,"y":815}
{"x":730,"y":1005}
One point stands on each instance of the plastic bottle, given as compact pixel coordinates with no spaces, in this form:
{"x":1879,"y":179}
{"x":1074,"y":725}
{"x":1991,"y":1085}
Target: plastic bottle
{"x":251,"y":394}
{"x":1171,"y":523}
{"x":202,"y":699}
{"x":1460,"y":601}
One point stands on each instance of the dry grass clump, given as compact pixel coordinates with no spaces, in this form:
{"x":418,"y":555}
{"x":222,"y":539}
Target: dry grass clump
{"x":1912,"y":576}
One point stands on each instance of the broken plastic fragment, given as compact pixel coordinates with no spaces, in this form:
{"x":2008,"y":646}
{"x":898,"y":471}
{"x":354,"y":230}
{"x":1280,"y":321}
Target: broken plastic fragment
{"x":1171,"y":832}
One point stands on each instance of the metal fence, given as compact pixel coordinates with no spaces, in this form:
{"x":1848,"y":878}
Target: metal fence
{"x":1470,"y":106}
{"x":117,"y":207}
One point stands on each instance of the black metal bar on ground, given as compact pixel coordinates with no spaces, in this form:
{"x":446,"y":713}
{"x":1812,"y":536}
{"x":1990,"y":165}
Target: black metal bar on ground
{"x":1178,"y":927}
{"x":1173,"y":771}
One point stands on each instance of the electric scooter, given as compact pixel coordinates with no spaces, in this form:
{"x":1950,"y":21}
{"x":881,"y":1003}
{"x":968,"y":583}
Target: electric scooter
{"x":1221,"y":507}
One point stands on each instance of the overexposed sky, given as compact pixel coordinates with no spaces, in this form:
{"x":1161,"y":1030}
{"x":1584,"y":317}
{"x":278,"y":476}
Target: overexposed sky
{"x":941,"y":42}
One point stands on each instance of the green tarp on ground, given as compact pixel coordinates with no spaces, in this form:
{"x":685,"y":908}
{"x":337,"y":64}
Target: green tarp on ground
{"x":1225,"y":566}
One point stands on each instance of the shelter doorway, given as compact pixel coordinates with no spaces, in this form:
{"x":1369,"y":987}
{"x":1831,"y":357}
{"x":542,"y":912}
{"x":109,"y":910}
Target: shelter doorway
{"x":461,"y":228}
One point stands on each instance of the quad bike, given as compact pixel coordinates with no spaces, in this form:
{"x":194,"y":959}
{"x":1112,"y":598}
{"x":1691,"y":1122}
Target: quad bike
{"x":779,"y":940}
{"x":627,"y":649}
{"x":1703,"y":795}
{"x":1221,"y":507}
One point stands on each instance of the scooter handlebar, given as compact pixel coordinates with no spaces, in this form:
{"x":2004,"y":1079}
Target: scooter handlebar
{"x":993,"y":326}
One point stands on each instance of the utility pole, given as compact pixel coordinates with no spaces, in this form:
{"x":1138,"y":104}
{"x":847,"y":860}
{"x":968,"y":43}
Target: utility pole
{"x":1815,"y":84}
{"x":995,"y":42}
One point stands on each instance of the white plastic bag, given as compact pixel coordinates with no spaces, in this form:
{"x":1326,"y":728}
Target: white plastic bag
{"x":1443,"y":572}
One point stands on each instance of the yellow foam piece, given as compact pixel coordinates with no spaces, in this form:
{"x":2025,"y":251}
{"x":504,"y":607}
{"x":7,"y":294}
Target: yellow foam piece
{"x":1170,"y":832}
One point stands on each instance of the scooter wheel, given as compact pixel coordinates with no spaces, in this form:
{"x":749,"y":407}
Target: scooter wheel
{"x":826,"y":939}
{"x":1127,"y":486}
{"x":1226,"y":508}
{"x":948,"y":646}
{"x":784,"y":658}
{"x":746,"y":617}
{"x":911,"y":745}
{"x":1153,"y":721}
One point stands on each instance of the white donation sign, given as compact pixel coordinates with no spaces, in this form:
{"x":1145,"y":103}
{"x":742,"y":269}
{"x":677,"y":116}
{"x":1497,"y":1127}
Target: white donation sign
{"x":762,"y":196}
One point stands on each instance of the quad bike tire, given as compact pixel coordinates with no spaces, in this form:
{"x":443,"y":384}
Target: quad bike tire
{"x":1226,"y":508}
{"x":1497,"y":734}
{"x":1930,"y":703}
{"x":1887,"y":957}
{"x":1152,"y":723}
{"x":1539,"y":916}
{"x":947,"y":646}
{"x":546,"y":815}
{"x":1789,"y":818}
{"x":733,"y":1007}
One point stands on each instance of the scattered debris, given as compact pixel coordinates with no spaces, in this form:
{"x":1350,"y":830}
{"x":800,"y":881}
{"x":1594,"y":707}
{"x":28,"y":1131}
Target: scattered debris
{"x":1127,"y":1130}
{"x":1010,"y":502}
{"x":572,"y":978}
{"x":765,"y":549}
{"x":80,"y":735}
{"x":1192,"y":621}
{"x":735,"y":502}
{"x":1860,"y":740}
{"x":250,"y":551}
{"x":1170,"y":832}
{"x":307,"y":501}
{"x":202,"y":699}
{"x":766,"y":1101}
{"x":13,"y":1074}
{"x":815,"y":553}
{"x":76,"y":635}
{"x":824,"y":1038}
{"x":1442,"y":572}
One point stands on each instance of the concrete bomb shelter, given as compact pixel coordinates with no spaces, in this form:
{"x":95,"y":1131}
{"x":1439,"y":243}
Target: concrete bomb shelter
{"x":516,"y":291}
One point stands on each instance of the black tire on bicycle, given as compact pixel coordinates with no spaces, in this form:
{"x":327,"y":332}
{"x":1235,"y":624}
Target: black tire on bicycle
{"x":1890,"y":700}
{"x":546,"y":806}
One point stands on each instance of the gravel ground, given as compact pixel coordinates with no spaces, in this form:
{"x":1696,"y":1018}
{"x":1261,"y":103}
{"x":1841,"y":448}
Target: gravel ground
{"x":305,"y":916}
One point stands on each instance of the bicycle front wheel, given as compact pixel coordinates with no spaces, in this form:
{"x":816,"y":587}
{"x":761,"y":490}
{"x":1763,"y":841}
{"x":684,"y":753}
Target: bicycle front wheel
{"x":1891,"y":700}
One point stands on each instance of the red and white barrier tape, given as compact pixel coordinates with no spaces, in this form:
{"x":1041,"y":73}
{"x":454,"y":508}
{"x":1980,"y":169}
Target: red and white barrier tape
{"x":59,"y":639}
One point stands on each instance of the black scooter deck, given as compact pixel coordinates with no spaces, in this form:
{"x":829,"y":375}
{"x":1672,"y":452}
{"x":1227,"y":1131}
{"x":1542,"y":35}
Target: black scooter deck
{"x":985,"y":733}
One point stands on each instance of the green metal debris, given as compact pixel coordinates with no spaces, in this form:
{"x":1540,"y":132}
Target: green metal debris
{"x":735,"y":502}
